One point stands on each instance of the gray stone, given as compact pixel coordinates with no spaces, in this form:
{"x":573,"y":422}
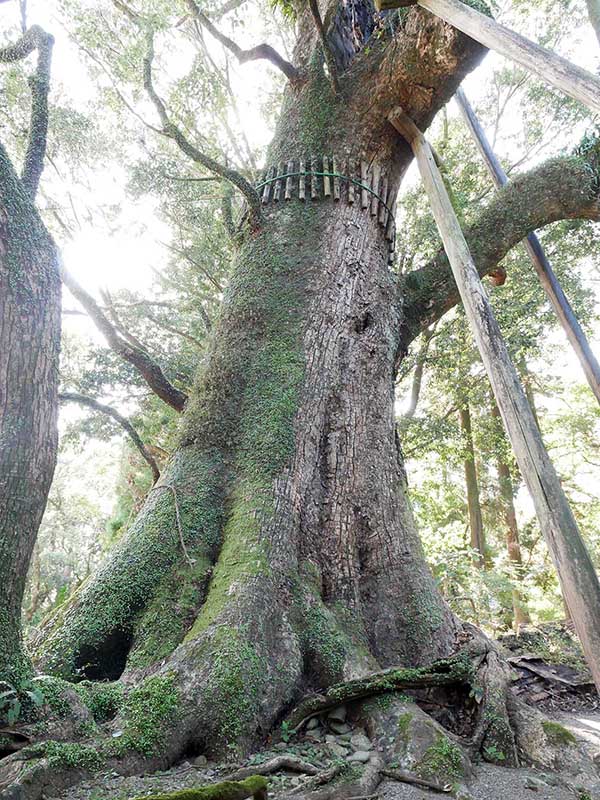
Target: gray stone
{"x":339,"y":727}
{"x":361,"y":742}
{"x":338,"y":713}
{"x":550,"y":779}
{"x":312,"y":723}
{"x":362,"y":756}
{"x":535,"y":784}
{"x":337,"y":750}
{"x":462,"y":793}
{"x":200,"y":761}
{"x":280,"y":746}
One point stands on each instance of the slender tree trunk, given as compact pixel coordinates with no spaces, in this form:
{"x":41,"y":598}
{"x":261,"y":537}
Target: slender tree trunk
{"x":29,"y":350}
{"x":520,"y":613}
{"x":473,"y":502}
{"x":415,"y":391}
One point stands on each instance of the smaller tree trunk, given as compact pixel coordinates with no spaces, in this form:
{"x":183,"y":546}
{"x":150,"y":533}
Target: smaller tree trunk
{"x":513,"y":546}
{"x":415,"y":391}
{"x":29,"y":352}
{"x":473,"y":502}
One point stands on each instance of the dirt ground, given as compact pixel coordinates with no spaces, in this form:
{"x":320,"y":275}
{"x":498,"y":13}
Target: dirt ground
{"x":489,"y":782}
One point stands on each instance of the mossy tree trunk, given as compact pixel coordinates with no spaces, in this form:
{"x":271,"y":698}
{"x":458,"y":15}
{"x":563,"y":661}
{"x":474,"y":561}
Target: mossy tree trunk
{"x":29,"y":350}
{"x":306,"y":567}
{"x":302,"y":565}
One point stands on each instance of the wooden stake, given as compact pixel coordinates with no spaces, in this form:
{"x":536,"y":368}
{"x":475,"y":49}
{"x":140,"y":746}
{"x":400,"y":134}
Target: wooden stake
{"x":574,"y":566}
{"x":351,"y":174}
{"x":383,"y":213}
{"x":302,"y":181}
{"x":279,"y":170}
{"x":336,"y":181}
{"x":326,"y":178}
{"x":390,"y":232}
{"x":364,"y":195}
{"x":375,"y":189}
{"x":267,"y":188}
{"x":548,"y":279}
{"x":314,"y":191}
{"x":289,"y":181}
{"x":551,"y":68}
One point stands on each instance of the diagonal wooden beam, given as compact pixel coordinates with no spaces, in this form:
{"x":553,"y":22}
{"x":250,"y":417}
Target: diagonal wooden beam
{"x":549,"y":67}
{"x":542,"y":266}
{"x":576,"y":573}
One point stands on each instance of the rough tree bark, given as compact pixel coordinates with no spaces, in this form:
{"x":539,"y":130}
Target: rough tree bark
{"x":305,"y":566}
{"x":29,"y":349}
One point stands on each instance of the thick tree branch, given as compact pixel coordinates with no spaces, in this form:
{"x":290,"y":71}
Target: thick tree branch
{"x":261,"y":51}
{"x":89,"y":402}
{"x":171,"y":130}
{"x":34,"y":39}
{"x":562,"y":188}
{"x":144,"y":364}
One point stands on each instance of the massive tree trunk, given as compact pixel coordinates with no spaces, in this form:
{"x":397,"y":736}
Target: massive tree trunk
{"x":29,"y":349}
{"x":305,"y":565}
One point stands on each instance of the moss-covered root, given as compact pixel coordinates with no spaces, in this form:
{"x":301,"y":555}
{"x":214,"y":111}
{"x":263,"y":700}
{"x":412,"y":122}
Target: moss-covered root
{"x":255,"y":786}
{"x":445,"y":672}
{"x":494,"y":737}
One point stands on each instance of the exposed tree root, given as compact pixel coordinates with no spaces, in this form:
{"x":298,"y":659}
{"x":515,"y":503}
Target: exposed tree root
{"x":444,"y":672}
{"x":277,"y":764}
{"x":362,"y":786}
{"x":227,"y":687}
{"x":408,"y":777}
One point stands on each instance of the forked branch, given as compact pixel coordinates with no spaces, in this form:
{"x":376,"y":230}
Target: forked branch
{"x":90,"y":402}
{"x":172,"y":131}
{"x":34,"y":39}
{"x":260,"y":51}
{"x":140,"y":359}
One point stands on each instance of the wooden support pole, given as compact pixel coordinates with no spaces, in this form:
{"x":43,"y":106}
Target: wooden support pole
{"x":576,"y":573}
{"x":548,"y":279}
{"x":549,"y":67}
